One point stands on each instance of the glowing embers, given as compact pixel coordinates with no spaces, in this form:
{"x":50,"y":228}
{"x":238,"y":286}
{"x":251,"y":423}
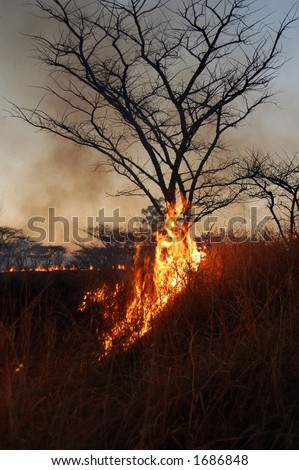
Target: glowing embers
{"x":128,"y":311}
{"x":19,"y":368}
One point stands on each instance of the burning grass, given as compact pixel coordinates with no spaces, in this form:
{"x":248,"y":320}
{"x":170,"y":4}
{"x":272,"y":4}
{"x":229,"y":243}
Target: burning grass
{"x":218,"y":369}
{"x":157,"y":278}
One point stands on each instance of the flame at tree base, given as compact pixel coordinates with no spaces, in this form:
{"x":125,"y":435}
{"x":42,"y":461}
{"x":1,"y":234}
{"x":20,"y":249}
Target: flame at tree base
{"x":154,"y":283}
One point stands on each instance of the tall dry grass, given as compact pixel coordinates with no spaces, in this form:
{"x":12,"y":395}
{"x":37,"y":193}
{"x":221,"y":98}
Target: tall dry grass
{"x":220,"y":368}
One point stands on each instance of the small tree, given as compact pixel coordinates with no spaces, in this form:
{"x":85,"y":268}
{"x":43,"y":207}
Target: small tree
{"x":48,"y":256}
{"x":24,"y":253}
{"x":154,"y":86}
{"x":9,"y":238}
{"x":112,"y":246}
{"x":275,"y":179}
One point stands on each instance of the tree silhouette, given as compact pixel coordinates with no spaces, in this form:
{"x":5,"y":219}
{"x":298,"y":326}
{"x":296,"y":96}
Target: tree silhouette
{"x":9,"y":238}
{"x":154,"y":86}
{"x":275,"y":179}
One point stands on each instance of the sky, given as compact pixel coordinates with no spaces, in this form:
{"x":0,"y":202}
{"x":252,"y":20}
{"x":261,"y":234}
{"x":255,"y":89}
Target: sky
{"x":38,"y":171}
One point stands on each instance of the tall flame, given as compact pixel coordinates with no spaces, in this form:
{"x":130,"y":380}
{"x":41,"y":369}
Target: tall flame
{"x":155,"y":281}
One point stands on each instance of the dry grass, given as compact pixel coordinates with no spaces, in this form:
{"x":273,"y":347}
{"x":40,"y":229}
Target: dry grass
{"x":219,"y":370}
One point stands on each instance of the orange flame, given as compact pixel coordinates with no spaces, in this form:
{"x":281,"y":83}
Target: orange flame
{"x":121,"y":267}
{"x":154,"y":283}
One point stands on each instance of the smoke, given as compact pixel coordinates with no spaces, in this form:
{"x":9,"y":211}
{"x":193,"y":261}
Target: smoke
{"x":1,"y":203}
{"x":272,"y":128}
{"x":64,"y":177}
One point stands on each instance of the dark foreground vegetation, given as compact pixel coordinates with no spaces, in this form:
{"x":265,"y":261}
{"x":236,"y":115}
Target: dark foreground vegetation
{"x":220,"y":370}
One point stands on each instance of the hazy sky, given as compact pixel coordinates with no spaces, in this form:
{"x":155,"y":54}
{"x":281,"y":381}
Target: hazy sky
{"x":38,"y":171}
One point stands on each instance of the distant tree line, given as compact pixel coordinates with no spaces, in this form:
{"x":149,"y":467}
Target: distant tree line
{"x":20,"y":252}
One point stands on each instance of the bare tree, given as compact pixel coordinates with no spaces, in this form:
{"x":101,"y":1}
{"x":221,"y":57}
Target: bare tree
{"x":275,"y":179}
{"x":108,"y":257}
{"x":154,"y":86}
{"x":9,"y":237}
{"x":48,"y":256}
{"x":111,"y":246}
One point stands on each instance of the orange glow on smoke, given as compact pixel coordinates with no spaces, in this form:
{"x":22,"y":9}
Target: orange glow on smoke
{"x":154,"y":283}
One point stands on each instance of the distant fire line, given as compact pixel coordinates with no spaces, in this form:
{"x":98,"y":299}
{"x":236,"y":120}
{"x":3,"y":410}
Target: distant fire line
{"x":119,"y":267}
